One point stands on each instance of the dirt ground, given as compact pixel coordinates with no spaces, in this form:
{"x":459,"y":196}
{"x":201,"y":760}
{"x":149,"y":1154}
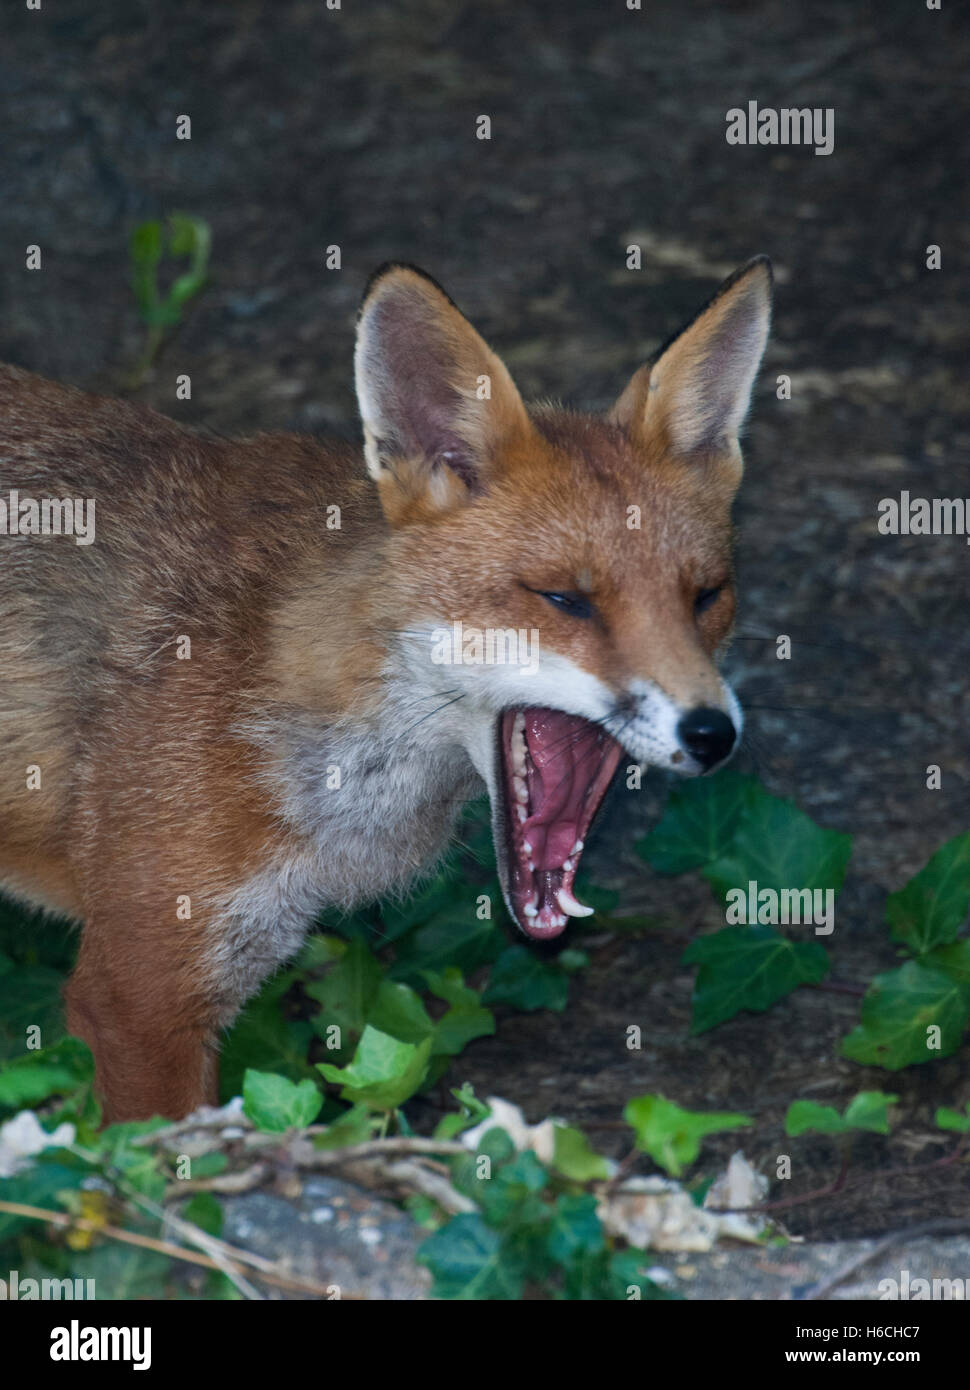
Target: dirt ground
{"x":313,"y":127}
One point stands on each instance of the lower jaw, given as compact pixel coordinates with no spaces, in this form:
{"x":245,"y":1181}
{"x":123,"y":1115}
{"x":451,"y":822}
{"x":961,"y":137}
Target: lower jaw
{"x":541,"y":901}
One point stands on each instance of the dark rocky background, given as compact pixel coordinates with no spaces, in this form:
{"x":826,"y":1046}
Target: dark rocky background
{"x":357,"y":127}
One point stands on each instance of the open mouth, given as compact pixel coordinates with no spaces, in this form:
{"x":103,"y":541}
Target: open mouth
{"x":555,"y":769}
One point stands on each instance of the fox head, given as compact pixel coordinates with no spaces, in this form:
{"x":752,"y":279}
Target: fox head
{"x":563,"y":581}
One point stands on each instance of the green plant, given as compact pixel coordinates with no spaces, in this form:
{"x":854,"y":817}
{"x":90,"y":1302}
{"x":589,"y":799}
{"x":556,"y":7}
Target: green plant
{"x":180,"y":238}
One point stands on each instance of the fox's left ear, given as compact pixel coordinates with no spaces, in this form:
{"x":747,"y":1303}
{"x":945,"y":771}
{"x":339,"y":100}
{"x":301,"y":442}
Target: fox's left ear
{"x":693,"y":396}
{"x":439,"y":409}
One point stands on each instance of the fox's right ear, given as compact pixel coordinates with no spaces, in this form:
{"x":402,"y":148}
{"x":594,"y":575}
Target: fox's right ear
{"x":438,"y":406}
{"x":692,"y":397}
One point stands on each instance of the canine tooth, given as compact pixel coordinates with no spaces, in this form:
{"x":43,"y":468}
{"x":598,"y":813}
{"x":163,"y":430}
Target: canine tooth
{"x":570,"y":906}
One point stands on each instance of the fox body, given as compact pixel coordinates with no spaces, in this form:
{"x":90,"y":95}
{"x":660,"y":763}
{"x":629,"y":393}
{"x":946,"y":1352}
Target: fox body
{"x":224,"y":713}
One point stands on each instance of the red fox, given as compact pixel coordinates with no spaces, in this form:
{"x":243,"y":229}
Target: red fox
{"x":230,"y":705}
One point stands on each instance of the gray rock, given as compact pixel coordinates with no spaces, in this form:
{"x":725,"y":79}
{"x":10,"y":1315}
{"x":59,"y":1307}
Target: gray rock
{"x":335,"y":1234}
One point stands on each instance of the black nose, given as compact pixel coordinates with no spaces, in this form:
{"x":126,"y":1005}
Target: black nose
{"x":708,"y":735}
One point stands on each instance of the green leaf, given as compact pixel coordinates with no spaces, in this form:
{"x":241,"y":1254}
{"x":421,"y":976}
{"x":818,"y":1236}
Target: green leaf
{"x":468,"y":1262}
{"x":431,"y":898}
{"x":60,"y":1069}
{"x":523,"y":980}
{"x":575,"y":1229}
{"x":778,"y":846}
{"x":384,"y":1071}
{"x":953,"y":1119}
{"x":626,"y":1273}
{"x":43,"y":1185}
{"x":465,"y":1020}
{"x":347,"y":993}
{"x":398,"y":1010}
{"x":265,"y":1039}
{"x":275,"y":1104}
{"x":30,"y":996}
{"x":123,"y":1272}
{"x":748,"y":968}
{"x":355,"y":1126}
{"x":473,"y":1111}
{"x":464,"y":941}
{"x":901,"y":1013}
{"x":509,"y":1198}
{"x":954,"y":961}
{"x":575,"y":1158}
{"x":699,"y":822}
{"x":22,"y":1085}
{"x":204,"y":1211}
{"x":933,"y":905}
{"x":868,"y":1110}
{"x":672,"y":1136}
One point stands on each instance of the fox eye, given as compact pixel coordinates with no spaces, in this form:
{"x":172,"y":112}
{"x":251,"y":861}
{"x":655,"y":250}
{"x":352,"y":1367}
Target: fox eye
{"x":706,"y":598}
{"x":576,"y":605}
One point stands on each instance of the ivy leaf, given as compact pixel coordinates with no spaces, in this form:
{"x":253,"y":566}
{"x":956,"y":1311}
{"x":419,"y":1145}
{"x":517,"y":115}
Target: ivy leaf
{"x":954,"y":961}
{"x":523,"y":980}
{"x":901,"y":1013}
{"x":398,"y":1010}
{"x":468,"y":1261}
{"x":575,"y":1229}
{"x":575,"y":1158}
{"x":384,"y":1071}
{"x":265,"y":1039}
{"x":779,"y":846}
{"x":466,"y":1019}
{"x":930,"y":909}
{"x":355,"y":1126}
{"x":699,"y":822}
{"x":275,"y":1104}
{"x":473,"y":1111}
{"x":450,"y":939}
{"x":347,"y":993}
{"x":952,"y":1119}
{"x":30,"y":995}
{"x":672,"y":1136}
{"x":748,"y":968}
{"x":868,"y":1110}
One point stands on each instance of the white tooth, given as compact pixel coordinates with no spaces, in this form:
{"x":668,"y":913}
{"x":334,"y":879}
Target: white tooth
{"x":522,"y":813}
{"x":531,"y":909}
{"x":577,"y":848}
{"x":570,"y":906}
{"x":532,"y":866}
{"x":520,"y":788}
{"x":518,"y":747}
{"x":526,"y":846}
{"x":569,"y":864}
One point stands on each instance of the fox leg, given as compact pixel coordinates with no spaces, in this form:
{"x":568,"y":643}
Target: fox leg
{"x":151,"y":1029}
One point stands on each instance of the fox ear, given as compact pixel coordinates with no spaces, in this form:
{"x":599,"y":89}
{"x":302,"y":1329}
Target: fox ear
{"x":436,"y":403}
{"x":694,"y":394}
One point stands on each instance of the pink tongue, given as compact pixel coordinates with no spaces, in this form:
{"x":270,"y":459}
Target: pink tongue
{"x":566,"y":754}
